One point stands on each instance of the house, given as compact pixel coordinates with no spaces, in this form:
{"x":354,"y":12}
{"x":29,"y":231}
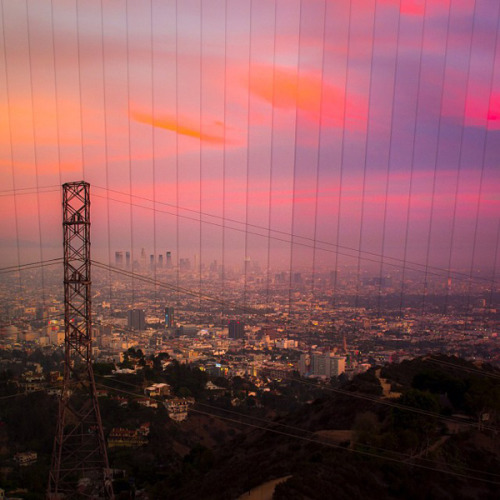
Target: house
{"x":144,"y":429}
{"x":32,"y":381}
{"x":178,"y":408}
{"x":157,"y":390}
{"x":147,"y":402}
{"x":26,"y":458}
{"x":126,"y":438}
{"x":210,"y":386}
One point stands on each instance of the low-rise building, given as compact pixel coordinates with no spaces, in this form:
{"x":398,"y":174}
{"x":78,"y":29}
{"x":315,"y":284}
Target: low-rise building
{"x":156,"y":390}
{"x":26,"y":458}
{"x":126,"y":438}
{"x":178,"y":408}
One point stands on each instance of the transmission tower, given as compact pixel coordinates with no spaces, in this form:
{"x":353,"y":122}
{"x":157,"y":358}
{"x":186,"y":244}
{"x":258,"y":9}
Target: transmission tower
{"x":80,"y":466}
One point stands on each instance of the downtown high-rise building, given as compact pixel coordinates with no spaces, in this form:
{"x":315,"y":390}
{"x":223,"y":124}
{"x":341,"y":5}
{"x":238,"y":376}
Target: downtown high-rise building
{"x":119,"y":258}
{"x":169,"y":317}
{"x":236,"y":329}
{"x":136,"y":319}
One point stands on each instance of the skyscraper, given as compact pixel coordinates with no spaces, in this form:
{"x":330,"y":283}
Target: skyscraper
{"x":127,"y":260}
{"x":236,"y":329}
{"x":136,"y":319}
{"x":169,"y":317}
{"x":118,"y":259}
{"x":169,"y":260}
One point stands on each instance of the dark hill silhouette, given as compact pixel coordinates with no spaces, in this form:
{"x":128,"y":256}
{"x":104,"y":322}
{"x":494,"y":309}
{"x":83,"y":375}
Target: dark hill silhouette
{"x":391,"y":452}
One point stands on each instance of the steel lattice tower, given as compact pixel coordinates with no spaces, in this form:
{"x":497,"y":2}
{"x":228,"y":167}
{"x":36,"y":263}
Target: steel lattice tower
{"x":80,"y":466}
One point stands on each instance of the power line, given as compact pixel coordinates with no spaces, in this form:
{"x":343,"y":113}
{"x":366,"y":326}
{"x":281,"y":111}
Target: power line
{"x":389,"y":153}
{"x":460,"y":152}
{"x":365,"y":152}
{"x":399,"y":406}
{"x":352,"y":450}
{"x":31,"y":190}
{"x":331,"y":247}
{"x":319,"y":441}
{"x":175,"y":288}
{"x":292,"y":427}
{"x":255,"y":310}
{"x":30,"y":265}
{"x":436,"y":154}
{"x":464,"y":368}
{"x":412,"y":161}
{"x":381,"y":258}
{"x":342,"y":149}
{"x":377,"y":400}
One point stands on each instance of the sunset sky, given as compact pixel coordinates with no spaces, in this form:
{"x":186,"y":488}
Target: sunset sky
{"x":363,"y":125}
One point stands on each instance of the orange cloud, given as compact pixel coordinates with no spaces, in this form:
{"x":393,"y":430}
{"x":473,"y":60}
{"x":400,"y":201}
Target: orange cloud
{"x":282,"y":88}
{"x":181,"y":126}
{"x":310,"y":94}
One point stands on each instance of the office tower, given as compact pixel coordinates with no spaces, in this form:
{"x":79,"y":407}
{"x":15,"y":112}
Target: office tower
{"x":236,"y":329}
{"x":118,"y":259}
{"x":160,"y":261}
{"x":151,"y":262}
{"x":169,"y":260}
{"x":136,"y":319}
{"x":169,"y":317}
{"x":127,"y":260}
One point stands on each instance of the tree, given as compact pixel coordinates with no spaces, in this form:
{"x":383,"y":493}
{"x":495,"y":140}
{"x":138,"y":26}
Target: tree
{"x":366,"y":428}
{"x":420,"y":423}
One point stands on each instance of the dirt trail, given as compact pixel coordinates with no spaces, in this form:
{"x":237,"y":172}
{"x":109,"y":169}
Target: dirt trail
{"x":264,"y":491}
{"x":386,"y":387}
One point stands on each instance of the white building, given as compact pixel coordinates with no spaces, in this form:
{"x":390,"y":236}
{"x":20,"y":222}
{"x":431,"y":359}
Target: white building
{"x":321,"y":365}
{"x":157,"y":390}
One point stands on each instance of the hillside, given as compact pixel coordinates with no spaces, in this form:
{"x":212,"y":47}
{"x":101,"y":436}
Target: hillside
{"x":426,"y":428}
{"x":446,"y":448}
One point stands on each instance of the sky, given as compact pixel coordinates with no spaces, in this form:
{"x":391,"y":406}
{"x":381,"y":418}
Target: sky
{"x":300,"y":133}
